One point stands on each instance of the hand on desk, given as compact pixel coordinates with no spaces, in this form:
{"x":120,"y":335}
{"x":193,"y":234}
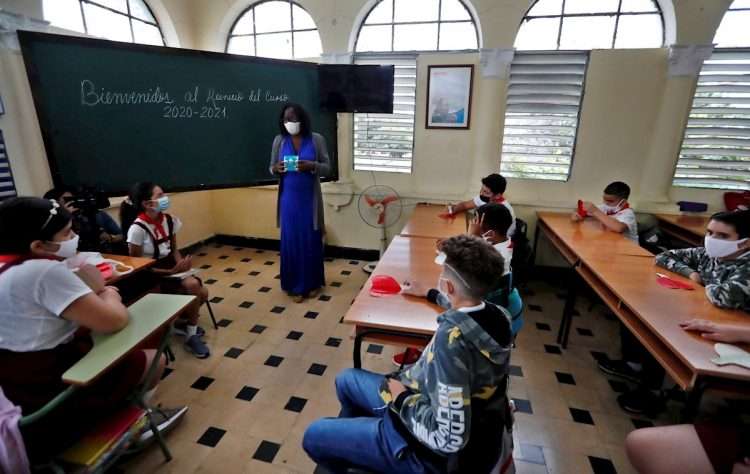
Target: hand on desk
{"x":414,"y":288}
{"x":717,"y":331}
{"x":92,"y":277}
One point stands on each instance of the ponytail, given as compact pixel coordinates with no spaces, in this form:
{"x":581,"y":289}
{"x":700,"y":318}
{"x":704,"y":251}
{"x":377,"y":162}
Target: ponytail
{"x":133,"y":205}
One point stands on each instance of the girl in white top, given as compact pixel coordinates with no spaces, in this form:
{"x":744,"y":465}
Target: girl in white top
{"x":152,"y":233}
{"x":46,"y":313}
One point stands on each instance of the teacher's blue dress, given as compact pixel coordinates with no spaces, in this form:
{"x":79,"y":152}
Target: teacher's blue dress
{"x":301,"y":245}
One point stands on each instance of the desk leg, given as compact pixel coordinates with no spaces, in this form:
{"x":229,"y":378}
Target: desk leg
{"x":536,"y":242}
{"x":567,"y":316}
{"x":693,"y":402}
{"x":357,"y":356}
{"x":139,"y":398}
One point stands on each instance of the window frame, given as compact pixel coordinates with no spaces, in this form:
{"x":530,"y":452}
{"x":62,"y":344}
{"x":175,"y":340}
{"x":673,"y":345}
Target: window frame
{"x":393,"y":23}
{"x":129,"y":15}
{"x":255,"y":35}
{"x":619,"y":13}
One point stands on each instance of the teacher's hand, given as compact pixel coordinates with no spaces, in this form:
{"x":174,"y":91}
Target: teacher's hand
{"x":305,"y":165}
{"x":279,"y":167}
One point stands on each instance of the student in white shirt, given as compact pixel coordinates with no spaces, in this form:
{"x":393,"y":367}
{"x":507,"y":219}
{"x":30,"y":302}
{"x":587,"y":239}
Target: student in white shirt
{"x":152,"y":233}
{"x":492,"y":190}
{"x":46,"y":314}
{"x":614,"y":213}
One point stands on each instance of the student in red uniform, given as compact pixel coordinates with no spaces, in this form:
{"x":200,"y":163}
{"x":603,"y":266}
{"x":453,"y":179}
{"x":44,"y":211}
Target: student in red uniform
{"x":152,"y":233}
{"x":46,"y":314}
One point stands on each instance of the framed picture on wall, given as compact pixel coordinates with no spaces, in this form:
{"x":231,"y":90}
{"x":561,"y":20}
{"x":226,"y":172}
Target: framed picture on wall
{"x":449,"y":96}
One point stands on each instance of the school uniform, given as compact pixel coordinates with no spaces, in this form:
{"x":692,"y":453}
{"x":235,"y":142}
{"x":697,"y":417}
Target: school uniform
{"x":499,"y":200}
{"x":37,"y":345}
{"x":625,"y":215}
{"x":145,"y":232}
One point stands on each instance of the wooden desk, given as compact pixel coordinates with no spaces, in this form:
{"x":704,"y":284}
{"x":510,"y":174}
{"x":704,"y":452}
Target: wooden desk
{"x":397,"y":319}
{"x":626,"y":282}
{"x":424,"y":222}
{"x":690,"y":229}
{"x":147,"y":315}
{"x":138,"y":264}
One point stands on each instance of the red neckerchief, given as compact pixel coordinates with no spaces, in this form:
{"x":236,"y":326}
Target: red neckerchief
{"x":8,"y":261}
{"x":498,"y":199}
{"x":612,"y":213}
{"x":158,"y":224}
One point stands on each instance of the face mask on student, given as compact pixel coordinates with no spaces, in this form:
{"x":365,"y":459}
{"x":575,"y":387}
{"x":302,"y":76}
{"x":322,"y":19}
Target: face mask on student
{"x":162,"y":204}
{"x":719,"y":248}
{"x":484,"y":198}
{"x":68,"y":248}
{"x":612,"y":209}
{"x":292,"y":127}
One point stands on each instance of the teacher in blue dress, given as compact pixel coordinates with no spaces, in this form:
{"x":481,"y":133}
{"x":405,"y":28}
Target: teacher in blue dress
{"x":299,"y":157}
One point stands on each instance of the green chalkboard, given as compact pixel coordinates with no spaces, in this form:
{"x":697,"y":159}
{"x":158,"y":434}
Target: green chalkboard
{"x":112,"y":114}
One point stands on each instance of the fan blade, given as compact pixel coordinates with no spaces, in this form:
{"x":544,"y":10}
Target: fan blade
{"x":389,"y":199}
{"x":381,"y":218}
{"x":370,"y":201}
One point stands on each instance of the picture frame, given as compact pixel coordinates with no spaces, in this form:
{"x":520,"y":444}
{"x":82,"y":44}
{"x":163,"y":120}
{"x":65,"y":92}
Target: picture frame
{"x":449,"y":90}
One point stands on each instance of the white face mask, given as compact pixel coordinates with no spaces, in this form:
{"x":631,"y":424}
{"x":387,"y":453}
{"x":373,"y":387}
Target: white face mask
{"x":719,"y":248}
{"x":612,"y":209}
{"x":68,"y":248}
{"x":292,"y":127}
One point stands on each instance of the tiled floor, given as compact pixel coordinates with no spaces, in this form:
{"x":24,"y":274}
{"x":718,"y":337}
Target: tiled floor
{"x":273,"y":363}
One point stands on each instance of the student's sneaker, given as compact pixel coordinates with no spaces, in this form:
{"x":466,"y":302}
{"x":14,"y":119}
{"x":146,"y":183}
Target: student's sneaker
{"x":165,"y":418}
{"x":196,"y":345}
{"x":641,"y":401}
{"x":619,"y":368}
{"x":408,"y":357}
{"x":181,"y":330}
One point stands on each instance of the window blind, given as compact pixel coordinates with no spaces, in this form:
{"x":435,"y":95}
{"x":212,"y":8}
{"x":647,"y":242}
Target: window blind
{"x":715,"y":149}
{"x":385,"y":142}
{"x":541,"y":116}
{"x":7,"y":186}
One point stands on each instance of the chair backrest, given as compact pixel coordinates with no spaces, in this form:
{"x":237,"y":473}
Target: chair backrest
{"x":521,"y":252}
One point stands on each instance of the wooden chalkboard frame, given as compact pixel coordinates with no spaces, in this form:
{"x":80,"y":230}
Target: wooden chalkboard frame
{"x":27,"y":37}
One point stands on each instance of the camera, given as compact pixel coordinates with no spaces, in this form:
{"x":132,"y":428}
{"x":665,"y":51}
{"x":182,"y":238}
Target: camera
{"x":88,"y":200}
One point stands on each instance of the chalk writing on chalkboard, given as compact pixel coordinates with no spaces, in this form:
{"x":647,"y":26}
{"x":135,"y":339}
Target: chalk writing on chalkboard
{"x":198,"y":102}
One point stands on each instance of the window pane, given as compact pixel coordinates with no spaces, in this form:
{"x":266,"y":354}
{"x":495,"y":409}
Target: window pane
{"x":275,"y":45}
{"x":383,"y":13}
{"x":415,"y":37}
{"x":302,"y":19}
{"x":244,"y":25}
{"x":537,"y":34}
{"x":147,"y":34}
{"x":591,"y":6}
{"x":638,"y":6}
{"x":546,"y":7}
{"x":273,"y":16}
{"x":241,"y":45}
{"x":453,"y":10}
{"x":416,"y":10}
{"x":64,"y":14}
{"x":458,"y":36}
{"x":106,"y":24}
{"x":732,"y":31}
{"x":639,"y":31}
{"x":374,"y":38}
{"x":307,"y":44}
{"x":139,"y":10}
{"x":587,"y":32}
{"x":118,"y":5}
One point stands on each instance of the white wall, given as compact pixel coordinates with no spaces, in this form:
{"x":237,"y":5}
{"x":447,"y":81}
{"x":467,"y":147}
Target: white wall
{"x":632,"y":121}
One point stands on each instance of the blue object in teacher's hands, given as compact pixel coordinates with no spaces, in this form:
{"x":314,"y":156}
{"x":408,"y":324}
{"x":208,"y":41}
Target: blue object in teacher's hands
{"x":290,"y":162}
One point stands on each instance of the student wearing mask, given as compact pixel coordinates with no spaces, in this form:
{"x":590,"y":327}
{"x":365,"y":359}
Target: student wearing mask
{"x":492,"y":190}
{"x":46,"y":314}
{"x":449,"y":412}
{"x":152,"y":233}
{"x":299,"y":157}
{"x":614,"y":213}
{"x":722,"y":267}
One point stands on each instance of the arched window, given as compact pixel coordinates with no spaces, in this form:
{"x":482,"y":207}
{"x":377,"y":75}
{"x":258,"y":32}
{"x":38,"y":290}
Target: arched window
{"x":715,"y":150}
{"x":275,"y":29}
{"x":120,"y":20}
{"x":392,"y":32}
{"x":406,"y":25}
{"x":589,"y":24}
